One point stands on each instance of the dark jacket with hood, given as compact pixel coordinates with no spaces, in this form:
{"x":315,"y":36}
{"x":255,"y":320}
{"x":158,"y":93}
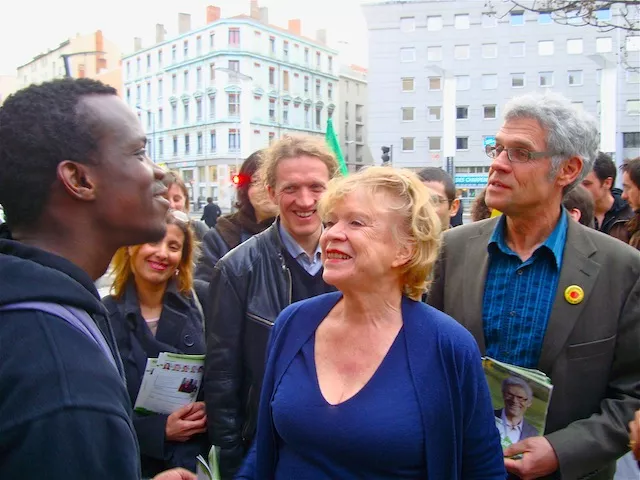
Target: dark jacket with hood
{"x":179,"y":331}
{"x":229,"y":232}
{"x":64,"y":408}
{"x":615,"y":219}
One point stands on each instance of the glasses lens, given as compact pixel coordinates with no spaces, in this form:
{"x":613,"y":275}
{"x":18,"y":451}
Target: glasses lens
{"x":490,"y":150}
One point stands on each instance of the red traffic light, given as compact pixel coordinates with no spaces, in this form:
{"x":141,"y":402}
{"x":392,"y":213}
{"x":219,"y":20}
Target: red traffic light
{"x":239,"y":180}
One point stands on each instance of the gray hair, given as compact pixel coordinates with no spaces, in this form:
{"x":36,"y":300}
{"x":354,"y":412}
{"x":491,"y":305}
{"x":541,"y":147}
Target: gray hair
{"x":517,"y":382}
{"x":571,"y":131}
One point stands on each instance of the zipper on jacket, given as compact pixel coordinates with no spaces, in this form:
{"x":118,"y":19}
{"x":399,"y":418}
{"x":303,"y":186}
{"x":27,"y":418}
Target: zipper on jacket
{"x":286,"y":269}
{"x":261,"y":320}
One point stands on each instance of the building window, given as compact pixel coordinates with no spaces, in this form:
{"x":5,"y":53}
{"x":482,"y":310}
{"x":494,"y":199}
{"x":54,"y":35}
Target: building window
{"x":434,"y":23}
{"x":434,"y":113}
{"x":435,"y":144}
{"x":160,"y":147}
{"x":198,"y":109}
{"x":160,"y":88}
{"x":545,"y":79}
{"x":489,"y":112}
{"x":148,"y":92}
{"x":160,"y":118}
{"x":175,"y":146}
{"x":544,"y":18}
{"x":212,"y":41}
{"x":212,"y":71}
{"x":545,"y":48}
{"x":574,"y":46}
{"x":462,"y":113}
{"x":272,"y":45}
{"x":198,"y":78}
{"x":234,"y":140}
{"x":603,"y":14}
{"x":234,"y":37}
{"x":185,"y":80}
{"x":434,"y":54}
{"x":435,"y":83}
{"x":285,"y":50}
{"x":461,"y":52}
{"x":408,"y":144}
{"x":408,"y":114}
{"x":407,"y":24}
{"x":631,"y":140}
{"x":330,"y":63}
{"x":159,"y":58}
{"x":148,"y":62}
{"x":174,"y":84}
{"x":330,"y":91}
{"x":138,"y":65}
{"x":516,"y":49}
{"x":272,"y":138}
{"x":128,"y":96}
{"x":149,"y":120}
{"x":318,"y":60}
{"x":138,"y":94}
{"x":234,"y":104}
{"x":272,"y":77}
{"x":285,"y":112}
{"x":574,"y":78}
{"x":212,"y":106}
{"x":186,"y":144}
{"x":489,"y":50}
{"x":407,"y":84}
{"x":272,"y":110}
{"x":285,"y":81}
{"x":489,"y":20}
{"x":461,"y":21}
{"x":186,"y":114}
{"x":186,"y":49}
{"x":633,"y":107}
{"x":198,"y":45}
{"x":306,"y":85}
{"x":174,"y":115}
{"x":517,"y":18}
{"x":128,"y":70}
{"x":306,"y":56}
{"x":234,"y":65}
{"x":199,"y":143}
{"x":463,"y":82}
{"x":307,"y":117}
{"x":517,"y":80}
{"x":604,"y":44}
{"x":318,"y":89}
{"x":213,"y":144}
{"x":318,"y":118}
{"x":489,"y":81}
{"x":462,"y":143}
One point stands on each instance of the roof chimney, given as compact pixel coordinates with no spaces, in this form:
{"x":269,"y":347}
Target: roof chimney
{"x":255,"y":10}
{"x":184,"y":23}
{"x":213,"y":14}
{"x":295,"y":26}
{"x":137,"y":44}
{"x":160,"y":33}
{"x":321,"y":36}
{"x":264,"y":15}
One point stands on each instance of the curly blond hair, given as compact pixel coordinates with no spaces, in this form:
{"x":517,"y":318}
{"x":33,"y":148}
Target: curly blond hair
{"x":293,"y":146}
{"x":408,"y":197}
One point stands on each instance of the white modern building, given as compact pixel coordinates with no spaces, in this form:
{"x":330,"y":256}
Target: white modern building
{"x":441,"y":71}
{"x":351,"y":120}
{"x":211,"y":96}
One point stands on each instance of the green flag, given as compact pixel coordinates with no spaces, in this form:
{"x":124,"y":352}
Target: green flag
{"x":332,"y":141}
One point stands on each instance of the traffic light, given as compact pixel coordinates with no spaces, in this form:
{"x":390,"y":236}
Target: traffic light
{"x":387,"y":152}
{"x":239,"y":180}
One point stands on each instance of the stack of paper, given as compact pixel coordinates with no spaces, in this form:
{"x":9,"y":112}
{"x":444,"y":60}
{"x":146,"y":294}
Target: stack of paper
{"x":209,"y":470}
{"x":170,"y":381}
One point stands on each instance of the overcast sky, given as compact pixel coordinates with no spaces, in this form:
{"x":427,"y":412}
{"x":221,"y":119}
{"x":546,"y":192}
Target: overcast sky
{"x":28,"y":28}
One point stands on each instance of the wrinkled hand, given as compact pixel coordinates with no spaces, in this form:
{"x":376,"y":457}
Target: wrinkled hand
{"x":539,"y":458}
{"x":634,"y":438}
{"x":176,"y":474}
{"x":186,"y":422}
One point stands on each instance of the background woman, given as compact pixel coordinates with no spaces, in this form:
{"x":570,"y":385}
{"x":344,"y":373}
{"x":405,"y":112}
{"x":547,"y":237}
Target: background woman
{"x":255,"y":213}
{"x":368,"y":382}
{"x":152,"y":310}
{"x":178,"y":196}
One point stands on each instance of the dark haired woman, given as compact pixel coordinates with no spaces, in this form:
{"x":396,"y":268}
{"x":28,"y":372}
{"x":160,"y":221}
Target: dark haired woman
{"x":178,"y":196}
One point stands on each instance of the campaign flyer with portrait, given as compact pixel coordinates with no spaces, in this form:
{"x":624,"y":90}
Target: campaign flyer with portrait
{"x":520,"y":398}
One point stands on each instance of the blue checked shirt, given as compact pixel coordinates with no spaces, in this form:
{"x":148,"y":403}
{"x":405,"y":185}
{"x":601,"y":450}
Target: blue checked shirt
{"x":312,"y":265}
{"x":518,"y":296}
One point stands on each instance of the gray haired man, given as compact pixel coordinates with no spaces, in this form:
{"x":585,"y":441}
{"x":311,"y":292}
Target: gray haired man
{"x":541,"y":291}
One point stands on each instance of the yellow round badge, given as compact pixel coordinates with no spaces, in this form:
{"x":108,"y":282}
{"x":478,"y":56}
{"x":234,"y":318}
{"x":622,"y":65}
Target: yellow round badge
{"x":574,"y":294}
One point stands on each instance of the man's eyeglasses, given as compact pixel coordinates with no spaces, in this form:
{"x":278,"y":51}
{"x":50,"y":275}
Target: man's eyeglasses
{"x":515,"y":155}
{"x":438,"y":200}
{"x":518,"y":398}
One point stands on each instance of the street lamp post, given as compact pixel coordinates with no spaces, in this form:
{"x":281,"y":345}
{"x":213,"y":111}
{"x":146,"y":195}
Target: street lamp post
{"x":153,"y":137}
{"x":65,"y":59}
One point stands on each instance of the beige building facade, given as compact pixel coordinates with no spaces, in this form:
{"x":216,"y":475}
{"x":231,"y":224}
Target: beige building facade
{"x":8,"y":85}
{"x":350,"y":120}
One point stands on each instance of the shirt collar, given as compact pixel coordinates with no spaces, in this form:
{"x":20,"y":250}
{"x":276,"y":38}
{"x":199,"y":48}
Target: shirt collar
{"x":292,"y":246}
{"x":505,"y":422}
{"x":554,"y":242}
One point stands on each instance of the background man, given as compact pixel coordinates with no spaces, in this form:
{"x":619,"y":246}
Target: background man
{"x":631,"y":186}
{"x":517,"y":397}
{"x":611,"y":212}
{"x":579,"y":203}
{"x":443,"y":193}
{"x":211,"y":213}
{"x":254,"y":282}
{"x":76,"y":184}
{"x":541,"y":291}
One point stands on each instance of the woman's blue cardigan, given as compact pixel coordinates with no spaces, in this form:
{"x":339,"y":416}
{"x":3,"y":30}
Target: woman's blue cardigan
{"x":461,"y":439}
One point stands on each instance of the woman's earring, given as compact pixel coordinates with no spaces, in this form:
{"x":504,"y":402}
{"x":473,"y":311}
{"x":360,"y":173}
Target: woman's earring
{"x":177,"y":272}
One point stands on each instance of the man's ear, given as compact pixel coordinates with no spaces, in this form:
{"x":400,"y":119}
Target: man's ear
{"x":77,"y":180}
{"x":455,"y":206}
{"x":608,"y":183}
{"x":569,"y":171}
{"x":272,"y":194}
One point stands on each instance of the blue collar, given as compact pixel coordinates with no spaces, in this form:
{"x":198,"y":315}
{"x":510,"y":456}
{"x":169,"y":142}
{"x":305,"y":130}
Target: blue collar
{"x":292,"y":246}
{"x":554,"y":242}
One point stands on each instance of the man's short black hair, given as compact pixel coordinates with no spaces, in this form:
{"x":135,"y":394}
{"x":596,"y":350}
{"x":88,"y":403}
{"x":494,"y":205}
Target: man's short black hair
{"x":604,"y":168}
{"x":41,"y":126}
{"x":632,"y":168}
{"x":209,"y":199}
{"x":580,"y":198}
{"x":436,"y":174}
